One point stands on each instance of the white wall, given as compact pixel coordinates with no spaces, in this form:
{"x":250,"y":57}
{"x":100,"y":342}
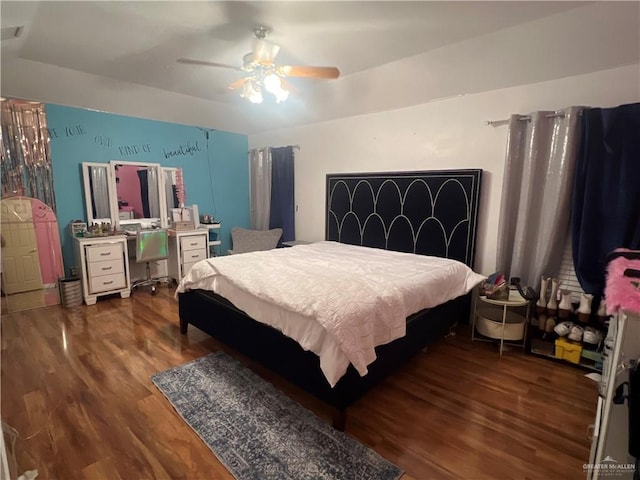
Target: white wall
{"x":449,"y":133}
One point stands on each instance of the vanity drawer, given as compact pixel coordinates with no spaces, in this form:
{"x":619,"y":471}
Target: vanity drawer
{"x":193,"y":256}
{"x":107,"y":282}
{"x":100,"y":253}
{"x":194,"y":242}
{"x":186,"y":267}
{"x":107,"y":267}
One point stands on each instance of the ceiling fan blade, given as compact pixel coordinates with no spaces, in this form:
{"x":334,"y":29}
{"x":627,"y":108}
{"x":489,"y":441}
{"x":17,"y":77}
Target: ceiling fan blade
{"x":237,"y":84}
{"x":189,"y":61}
{"x":311,"y":72}
{"x":288,"y":86}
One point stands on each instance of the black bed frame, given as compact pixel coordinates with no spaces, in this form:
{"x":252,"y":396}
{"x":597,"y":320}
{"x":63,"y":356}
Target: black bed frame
{"x":428,"y":213}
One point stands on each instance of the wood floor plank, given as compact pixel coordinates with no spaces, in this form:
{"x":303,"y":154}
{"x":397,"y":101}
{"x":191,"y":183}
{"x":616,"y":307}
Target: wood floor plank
{"x":76,"y":385}
{"x":104,"y":468}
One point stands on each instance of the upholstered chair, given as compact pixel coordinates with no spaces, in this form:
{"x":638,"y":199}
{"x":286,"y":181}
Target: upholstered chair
{"x":245,"y":241}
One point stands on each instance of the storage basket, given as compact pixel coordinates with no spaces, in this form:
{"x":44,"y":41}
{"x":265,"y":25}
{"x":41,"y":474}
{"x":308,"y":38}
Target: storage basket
{"x":489,"y":324}
{"x":183,"y":226}
{"x":568,"y":351}
{"x":591,"y":357}
{"x":70,"y":292}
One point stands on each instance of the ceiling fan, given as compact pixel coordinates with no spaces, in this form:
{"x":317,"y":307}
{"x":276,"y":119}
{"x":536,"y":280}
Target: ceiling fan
{"x":263,"y":73}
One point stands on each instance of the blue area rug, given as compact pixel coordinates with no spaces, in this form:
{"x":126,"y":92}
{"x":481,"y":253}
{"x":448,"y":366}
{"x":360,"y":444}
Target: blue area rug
{"x":259,"y":433}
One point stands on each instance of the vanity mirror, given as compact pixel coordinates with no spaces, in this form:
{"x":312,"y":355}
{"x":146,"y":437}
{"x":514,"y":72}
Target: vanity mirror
{"x":138,"y":197}
{"x":97,"y":192}
{"x":123,"y":193}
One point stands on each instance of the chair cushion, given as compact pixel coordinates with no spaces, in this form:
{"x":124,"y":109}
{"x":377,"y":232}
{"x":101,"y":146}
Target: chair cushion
{"x":254,"y":240}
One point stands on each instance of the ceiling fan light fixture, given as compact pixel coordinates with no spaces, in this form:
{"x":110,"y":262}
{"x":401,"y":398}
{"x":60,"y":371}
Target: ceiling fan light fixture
{"x":261,"y":71}
{"x":251,"y":91}
{"x":264,"y":52}
{"x":282,"y":95}
{"x":273,"y":85}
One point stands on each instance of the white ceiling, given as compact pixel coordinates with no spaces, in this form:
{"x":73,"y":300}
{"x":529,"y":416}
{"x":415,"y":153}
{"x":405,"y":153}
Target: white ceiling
{"x":390,"y":54}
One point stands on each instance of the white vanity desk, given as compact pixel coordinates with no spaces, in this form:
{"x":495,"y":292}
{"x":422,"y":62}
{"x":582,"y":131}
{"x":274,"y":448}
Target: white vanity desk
{"x":134,"y":195}
{"x":104,"y":262}
{"x":106,"y":268}
{"x":186,"y":248}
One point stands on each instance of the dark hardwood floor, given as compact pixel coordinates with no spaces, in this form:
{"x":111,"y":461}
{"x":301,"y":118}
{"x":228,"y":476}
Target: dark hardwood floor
{"x":75,"y":385}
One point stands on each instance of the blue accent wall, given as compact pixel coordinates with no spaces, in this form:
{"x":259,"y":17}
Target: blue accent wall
{"x":214,"y":163}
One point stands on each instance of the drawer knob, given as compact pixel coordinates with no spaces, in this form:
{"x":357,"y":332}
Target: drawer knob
{"x":108,"y":283}
{"x":107,"y":268}
{"x":105,"y":254}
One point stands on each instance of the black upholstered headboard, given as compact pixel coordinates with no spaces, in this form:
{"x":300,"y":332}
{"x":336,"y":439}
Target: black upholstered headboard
{"x":428,"y":213}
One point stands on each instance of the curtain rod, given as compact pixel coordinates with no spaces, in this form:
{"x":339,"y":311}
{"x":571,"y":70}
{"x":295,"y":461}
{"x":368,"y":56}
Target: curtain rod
{"x":526,"y":118}
{"x":295,"y":147}
{"x":496,"y":123}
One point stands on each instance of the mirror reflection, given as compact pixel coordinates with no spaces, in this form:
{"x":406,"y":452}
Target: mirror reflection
{"x":137,"y":191}
{"x":173,"y":190}
{"x":171,"y":187}
{"x":97,"y":188}
{"x":127,"y":193}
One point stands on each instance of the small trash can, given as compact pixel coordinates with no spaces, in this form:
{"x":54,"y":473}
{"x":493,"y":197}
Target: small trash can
{"x":70,"y":292}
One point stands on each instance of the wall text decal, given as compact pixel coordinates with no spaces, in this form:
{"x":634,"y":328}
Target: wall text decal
{"x":182,"y":150}
{"x":103,"y":141}
{"x":69,"y":131}
{"x":127,"y":150}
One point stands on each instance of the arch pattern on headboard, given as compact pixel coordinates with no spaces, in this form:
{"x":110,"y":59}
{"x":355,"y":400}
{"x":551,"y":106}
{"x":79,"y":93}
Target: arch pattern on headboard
{"x":428,"y":213}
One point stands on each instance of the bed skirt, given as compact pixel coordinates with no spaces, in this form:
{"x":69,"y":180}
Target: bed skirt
{"x":284,"y":356}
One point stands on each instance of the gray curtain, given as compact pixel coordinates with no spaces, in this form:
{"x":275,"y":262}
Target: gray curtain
{"x":536,"y":193}
{"x":154,"y":197}
{"x":260,"y":166}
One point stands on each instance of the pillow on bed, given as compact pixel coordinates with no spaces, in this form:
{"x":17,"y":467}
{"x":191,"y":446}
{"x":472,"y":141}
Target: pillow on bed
{"x":244,"y":240}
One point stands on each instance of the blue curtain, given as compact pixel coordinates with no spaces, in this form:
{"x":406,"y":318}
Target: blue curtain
{"x":144,"y":193}
{"x":282,"y":213}
{"x":606,"y":196}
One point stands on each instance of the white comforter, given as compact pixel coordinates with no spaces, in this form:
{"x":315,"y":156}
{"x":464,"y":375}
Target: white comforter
{"x":339,"y":301}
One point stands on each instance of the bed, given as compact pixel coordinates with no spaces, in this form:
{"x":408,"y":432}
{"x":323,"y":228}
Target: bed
{"x":426,"y":213}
